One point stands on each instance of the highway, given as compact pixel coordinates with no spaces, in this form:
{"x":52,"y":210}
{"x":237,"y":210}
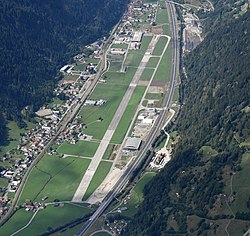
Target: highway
{"x":157,"y":127}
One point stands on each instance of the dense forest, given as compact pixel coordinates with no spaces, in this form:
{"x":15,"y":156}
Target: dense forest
{"x":37,"y":37}
{"x":188,"y":196}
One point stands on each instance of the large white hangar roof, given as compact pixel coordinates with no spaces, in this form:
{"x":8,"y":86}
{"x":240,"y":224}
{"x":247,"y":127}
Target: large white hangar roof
{"x":132,"y":143}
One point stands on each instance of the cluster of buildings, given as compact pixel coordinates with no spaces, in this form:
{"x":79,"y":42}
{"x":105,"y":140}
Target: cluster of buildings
{"x":99,"y":102}
{"x":3,"y":205}
{"x":116,"y":227}
{"x":33,"y":206}
{"x":137,"y":8}
{"x":72,"y":134}
{"x":144,"y":123}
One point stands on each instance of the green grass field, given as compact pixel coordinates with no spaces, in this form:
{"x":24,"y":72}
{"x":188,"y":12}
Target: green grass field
{"x":241,"y":185}
{"x":71,"y":77}
{"x":92,"y":60}
{"x":81,"y":148}
{"x":208,"y":151}
{"x":128,"y":115}
{"x":120,"y":78}
{"x":57,"y":178}
{"x":80,"y":67}
{"x":50,"y":217}
{"x":163,"y":70}
{"x":154,"y":96}
{"x":115,"y":66}
{"x":108,"y":152}
{"x":100,"y":174}
{"x":113,"y":93}
{"x":162,"y":17}
{"x":17,"y":221}
{"x":147,"y":74}
{"x":158,"y":50}
{"x":122,"y":45}
{"x":176,"y":94}
{"x":153,"y":61}
{"x":137,"y":195}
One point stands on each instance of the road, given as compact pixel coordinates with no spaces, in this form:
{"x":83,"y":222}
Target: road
{"x":158,"y":124}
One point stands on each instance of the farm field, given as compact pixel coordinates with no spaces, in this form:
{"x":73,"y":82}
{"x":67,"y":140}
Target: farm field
{"x":128,"y":115}
{"x":49,"y":218}
{"x":57,"y":178}
{"x":81,"y":148}
{"x":100,"y":174}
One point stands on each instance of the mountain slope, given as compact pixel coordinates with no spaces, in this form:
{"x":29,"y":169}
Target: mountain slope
{"x":37,"y":37}
{"x":192,"y":193}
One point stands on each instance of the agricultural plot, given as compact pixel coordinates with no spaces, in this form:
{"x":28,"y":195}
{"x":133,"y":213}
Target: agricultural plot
{"x":47,"y":219}
{"x":18,"y":220}
{"x":54,"y":177}
{"x":128,"y":115}
{"x":100,"y":174}
{"x":81,"y":148}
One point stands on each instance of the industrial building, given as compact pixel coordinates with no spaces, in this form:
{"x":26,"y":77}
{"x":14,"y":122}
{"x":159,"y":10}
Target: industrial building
{"x":137,"y":38}
{"x":132,"y":144}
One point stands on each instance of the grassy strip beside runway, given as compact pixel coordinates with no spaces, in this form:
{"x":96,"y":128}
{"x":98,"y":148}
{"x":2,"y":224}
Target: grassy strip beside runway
{"x":100,"y":174}
{"x":128,"y":115}
{"x":81,"y":148}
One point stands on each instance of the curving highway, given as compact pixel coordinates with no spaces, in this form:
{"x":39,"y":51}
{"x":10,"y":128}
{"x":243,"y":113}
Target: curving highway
{"x":157,"y":127}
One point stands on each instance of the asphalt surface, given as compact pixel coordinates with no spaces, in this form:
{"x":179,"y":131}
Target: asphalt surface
{"x":158,"y":125}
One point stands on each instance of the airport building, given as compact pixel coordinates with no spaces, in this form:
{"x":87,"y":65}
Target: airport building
{"x":132,"y":144}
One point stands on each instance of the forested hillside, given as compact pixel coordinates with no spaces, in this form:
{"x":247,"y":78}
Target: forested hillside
{"x":194,"y":194}
{"x":37,"y":37}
